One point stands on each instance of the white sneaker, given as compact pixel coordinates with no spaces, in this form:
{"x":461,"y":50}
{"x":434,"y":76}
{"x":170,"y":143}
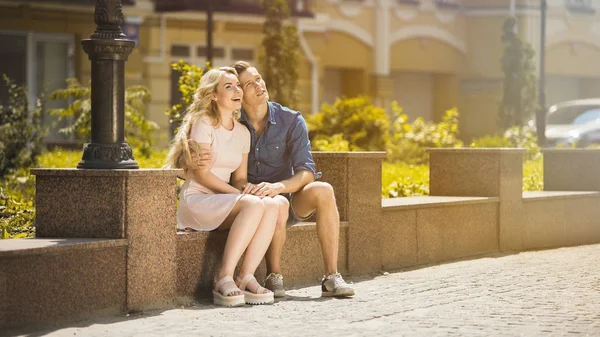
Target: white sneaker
{"x":334,"y":285}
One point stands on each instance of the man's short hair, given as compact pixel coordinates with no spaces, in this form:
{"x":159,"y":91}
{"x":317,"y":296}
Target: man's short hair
{"x":241,"y":66}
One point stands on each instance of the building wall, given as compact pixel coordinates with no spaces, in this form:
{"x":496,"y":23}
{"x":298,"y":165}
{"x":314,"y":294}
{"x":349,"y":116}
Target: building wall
{"x":371,"y":47}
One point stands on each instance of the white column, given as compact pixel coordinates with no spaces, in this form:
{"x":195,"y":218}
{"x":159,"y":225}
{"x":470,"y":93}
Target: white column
{"x":382,"y":37}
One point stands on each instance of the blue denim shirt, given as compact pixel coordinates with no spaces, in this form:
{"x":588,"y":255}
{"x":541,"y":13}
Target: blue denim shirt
{"x":282,"y":149}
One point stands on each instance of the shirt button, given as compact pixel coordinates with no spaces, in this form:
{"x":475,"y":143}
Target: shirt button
{"x":256,"y":149}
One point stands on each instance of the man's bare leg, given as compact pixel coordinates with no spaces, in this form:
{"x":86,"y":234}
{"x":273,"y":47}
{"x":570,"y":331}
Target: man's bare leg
{"x":273,"y":255}
{"x":319,"y":196}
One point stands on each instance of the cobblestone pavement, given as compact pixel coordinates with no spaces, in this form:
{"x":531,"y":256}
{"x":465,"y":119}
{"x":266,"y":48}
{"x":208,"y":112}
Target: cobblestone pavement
{"x":544,"y":293}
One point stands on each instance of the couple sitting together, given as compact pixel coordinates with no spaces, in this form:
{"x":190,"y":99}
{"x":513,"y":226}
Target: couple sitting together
{"x":254,"y":176}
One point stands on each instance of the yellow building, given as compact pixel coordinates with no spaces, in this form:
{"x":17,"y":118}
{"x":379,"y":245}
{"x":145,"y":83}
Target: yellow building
{"x":428,"y":55}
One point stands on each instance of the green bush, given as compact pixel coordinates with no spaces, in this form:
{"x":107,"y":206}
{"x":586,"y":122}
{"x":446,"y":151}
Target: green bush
{"x":280,"y":53}
{"x":17,"y":211}
{"x":491,"y":141}
{"x":355,"y":124}
{"x":189,"y":80}
{"x":364,"y":126}
{"x":410,"y":140}
{"x":139,"y":131}
{"x":514,"y":137}
{"x":21,"y":133}
{"x":404,"y":180}
{"x":533,"y":174}
{"x":335,"y":143}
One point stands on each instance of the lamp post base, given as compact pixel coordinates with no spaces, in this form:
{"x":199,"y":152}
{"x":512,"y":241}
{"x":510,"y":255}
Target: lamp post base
{"x":107,"y":156}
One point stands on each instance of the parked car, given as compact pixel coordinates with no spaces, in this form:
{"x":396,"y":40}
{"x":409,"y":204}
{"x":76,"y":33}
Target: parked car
{"x":573,"y":122}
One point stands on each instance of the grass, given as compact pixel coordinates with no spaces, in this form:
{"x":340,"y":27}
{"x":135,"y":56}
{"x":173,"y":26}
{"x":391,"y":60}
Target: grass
{"x":69,"y":159}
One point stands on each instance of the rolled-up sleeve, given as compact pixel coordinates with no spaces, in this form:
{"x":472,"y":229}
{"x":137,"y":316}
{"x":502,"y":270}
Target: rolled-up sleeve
{"x":299,"y":148}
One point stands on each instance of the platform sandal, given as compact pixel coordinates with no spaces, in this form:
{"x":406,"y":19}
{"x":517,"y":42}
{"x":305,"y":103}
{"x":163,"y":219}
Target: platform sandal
{"x":221,"y":291}
{"x":256,"y":295}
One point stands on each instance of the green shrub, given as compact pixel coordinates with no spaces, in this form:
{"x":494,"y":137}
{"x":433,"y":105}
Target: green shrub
{"x":364,"y":126}
{"x":533,"y":174}
{"x":514,"y":137}
{"x":335,"y":143}
{"x":21,"y":133}
{"x":17,"y":211}
{"x":491,"y":141}
{"x":139,"y":131}
{"x":404,"y":180}
{"x":188,"y":85}
{"x":519,"y":86}
{"x":410,"y":140}
{"x":280,"y":53}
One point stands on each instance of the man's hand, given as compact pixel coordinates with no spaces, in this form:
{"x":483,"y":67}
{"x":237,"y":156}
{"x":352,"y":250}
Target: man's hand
{"x":264,"y":189}
{"x":200,"y":158}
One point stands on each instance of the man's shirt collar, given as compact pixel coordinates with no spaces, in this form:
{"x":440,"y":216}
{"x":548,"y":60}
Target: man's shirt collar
{"x":270,"y":119}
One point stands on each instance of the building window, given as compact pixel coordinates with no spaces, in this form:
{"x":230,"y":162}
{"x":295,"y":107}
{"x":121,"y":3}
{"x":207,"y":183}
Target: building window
{"x":451,"y":4}
{"x":244,"y":54}
{"x":408,"y":2}
{"x":43,"y":62}
{"x":580,"y":6}
{"x":218,"y":52}
{"x":180,"y":50}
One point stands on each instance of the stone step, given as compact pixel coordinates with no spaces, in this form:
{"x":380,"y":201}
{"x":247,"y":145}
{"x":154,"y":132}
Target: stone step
{"x":50,"y":279}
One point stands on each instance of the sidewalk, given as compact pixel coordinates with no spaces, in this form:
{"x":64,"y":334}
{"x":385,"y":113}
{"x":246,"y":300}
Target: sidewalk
{"x":545,"y":293}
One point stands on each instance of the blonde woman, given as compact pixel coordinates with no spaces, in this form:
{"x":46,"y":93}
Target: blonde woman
{"x":214,"y":197}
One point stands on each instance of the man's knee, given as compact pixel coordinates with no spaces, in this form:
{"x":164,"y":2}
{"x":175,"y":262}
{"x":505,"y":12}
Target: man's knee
{"x":284,"y":209}
{"x":323,"y":191}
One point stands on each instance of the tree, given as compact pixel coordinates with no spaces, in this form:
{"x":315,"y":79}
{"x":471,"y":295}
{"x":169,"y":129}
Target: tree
{"x":139,"y":131}
{"x":189,"y":80}
{"x":21,"y":132}
{"x":519,"y":98}
{"x":280,"y":53}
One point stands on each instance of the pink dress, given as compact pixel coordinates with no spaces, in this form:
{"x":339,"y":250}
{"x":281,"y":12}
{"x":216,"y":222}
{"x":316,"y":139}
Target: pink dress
{"x":199,"y":207}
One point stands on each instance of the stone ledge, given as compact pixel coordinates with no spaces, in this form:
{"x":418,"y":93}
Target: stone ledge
{"x":421,"y":202}
{"x":477,"y":150}
{"x":554,"y":195}
{"x":71,"y":172}
{"x":38,"y":246}
{"x":554,"y":150}
{"x":329,"y":154}
{"x":301,"y":227}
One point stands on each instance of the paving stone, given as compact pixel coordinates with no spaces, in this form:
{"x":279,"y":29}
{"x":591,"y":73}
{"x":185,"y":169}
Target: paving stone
{"x":550,"y":292}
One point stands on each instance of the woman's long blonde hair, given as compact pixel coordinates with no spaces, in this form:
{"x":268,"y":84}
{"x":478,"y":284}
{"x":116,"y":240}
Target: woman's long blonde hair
{"x":203,"y":105}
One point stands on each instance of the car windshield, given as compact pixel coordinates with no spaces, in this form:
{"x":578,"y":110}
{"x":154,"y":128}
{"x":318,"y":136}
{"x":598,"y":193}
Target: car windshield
{"x":578,"y":114}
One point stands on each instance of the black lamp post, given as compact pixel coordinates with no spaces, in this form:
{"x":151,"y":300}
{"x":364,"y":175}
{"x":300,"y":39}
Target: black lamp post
{"x":541,"y":114}
{"x":209,"y":32}
{"x":108,"y":49}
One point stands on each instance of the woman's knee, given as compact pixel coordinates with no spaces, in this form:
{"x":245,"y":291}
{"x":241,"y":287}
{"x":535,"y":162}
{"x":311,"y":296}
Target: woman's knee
{"x":251,"y":202}
{"x":270,"y":204}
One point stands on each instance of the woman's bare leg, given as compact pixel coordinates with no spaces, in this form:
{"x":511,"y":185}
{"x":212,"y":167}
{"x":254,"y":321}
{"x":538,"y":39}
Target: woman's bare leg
{"x":262,"y":238}
{"x":242,"y":222}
